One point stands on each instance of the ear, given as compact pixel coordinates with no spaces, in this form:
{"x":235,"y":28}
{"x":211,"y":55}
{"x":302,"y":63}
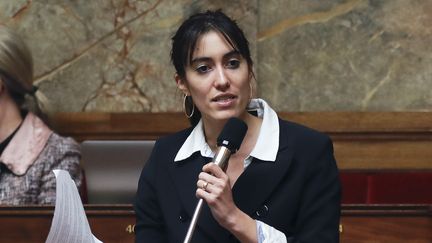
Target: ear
{"x":252,"y":85}
{"x":181,"y":84}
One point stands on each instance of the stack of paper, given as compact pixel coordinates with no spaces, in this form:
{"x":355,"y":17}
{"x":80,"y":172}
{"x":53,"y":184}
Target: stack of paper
{"x":70,"y":224}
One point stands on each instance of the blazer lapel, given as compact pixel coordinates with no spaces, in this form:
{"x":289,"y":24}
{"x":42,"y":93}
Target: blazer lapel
{"x":260,"y":178}
{"x":185,"y":175}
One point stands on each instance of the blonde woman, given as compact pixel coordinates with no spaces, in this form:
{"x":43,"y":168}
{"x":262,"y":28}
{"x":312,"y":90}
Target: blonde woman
{"x":29,"y":149}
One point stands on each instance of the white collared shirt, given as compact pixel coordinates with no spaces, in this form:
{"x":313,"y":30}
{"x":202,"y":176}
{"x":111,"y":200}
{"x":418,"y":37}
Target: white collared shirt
{"x":265,"y":149}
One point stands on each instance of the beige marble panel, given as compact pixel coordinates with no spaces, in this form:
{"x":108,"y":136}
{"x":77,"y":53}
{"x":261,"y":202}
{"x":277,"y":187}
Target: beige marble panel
{"x":356,"y":55}
{"x":109,"y":55}
{"x":314,"y":55}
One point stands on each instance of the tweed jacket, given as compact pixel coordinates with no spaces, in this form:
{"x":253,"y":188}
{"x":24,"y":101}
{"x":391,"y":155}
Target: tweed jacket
{"x":30,"y":157}
{"x":299,"y":194}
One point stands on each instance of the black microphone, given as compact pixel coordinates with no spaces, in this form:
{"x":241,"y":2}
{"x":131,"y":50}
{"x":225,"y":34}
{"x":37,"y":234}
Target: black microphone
{"x":229,"y":142}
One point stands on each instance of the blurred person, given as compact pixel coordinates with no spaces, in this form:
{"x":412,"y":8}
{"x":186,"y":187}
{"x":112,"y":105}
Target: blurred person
{"x":29,"y":149}
{"x":282,"y":185}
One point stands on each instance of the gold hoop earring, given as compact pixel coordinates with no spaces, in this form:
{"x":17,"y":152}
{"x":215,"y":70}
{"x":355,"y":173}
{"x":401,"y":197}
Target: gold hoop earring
{"x":1,"y":85}
{"x":251,"y":90}
{"x":188,"y":99}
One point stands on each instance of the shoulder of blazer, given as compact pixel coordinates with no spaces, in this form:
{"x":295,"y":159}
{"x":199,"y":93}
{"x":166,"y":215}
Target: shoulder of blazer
{"x":173,"y":141}
{"x":299,"y":136}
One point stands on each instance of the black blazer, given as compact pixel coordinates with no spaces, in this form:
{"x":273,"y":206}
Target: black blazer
{"x":299,"y":194}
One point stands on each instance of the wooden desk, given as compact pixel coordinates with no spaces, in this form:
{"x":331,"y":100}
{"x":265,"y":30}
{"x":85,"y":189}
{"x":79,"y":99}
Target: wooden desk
{"x":386,"y":223}
{"x":109,"y":223}
{"x":113,"y":223}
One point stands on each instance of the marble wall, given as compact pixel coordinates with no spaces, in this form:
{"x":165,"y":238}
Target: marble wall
{"x":313,"y":55}
{"x":353,"y":55}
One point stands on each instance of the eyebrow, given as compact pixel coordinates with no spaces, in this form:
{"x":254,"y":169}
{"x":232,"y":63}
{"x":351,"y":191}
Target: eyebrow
{"x":225,"y":56}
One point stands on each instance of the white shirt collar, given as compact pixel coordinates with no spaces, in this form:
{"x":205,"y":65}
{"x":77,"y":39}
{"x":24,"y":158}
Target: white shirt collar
{"x":265,"y":148}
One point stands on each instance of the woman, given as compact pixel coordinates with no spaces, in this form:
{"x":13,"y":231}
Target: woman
{"x":29,"y":150}
{"x":282,"y":185}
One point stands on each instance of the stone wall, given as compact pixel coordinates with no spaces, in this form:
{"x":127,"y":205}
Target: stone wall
{"x":314,"y":55}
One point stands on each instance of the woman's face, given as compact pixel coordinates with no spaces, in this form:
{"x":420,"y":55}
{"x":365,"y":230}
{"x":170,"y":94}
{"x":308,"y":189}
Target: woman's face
{"x":217,"y":79}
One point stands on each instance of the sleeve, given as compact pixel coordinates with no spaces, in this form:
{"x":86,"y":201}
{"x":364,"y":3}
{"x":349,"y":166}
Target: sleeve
{"x":149,"y":226}
{"x":64,"y":155}
{"x":268,"y":234}
{"x":319,"y":212}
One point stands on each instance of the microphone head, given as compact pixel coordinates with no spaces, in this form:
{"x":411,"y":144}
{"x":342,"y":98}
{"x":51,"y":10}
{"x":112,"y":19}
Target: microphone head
{"x":232,"y":134}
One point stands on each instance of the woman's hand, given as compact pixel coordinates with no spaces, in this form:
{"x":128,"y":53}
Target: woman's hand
{"x":215,"y":188}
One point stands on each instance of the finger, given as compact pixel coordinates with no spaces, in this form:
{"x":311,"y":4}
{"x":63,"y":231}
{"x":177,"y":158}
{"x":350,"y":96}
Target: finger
{"x":204,"y":176}
{"x":202,"y":184}
{"x":209,"y":196}
{"x":201,"y":193}
{"x":215,"y":170}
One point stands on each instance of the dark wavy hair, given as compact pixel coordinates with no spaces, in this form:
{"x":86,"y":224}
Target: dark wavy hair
{"x":184,"y":42}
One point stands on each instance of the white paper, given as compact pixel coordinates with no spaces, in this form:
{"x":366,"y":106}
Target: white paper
{"x":69,"y":224}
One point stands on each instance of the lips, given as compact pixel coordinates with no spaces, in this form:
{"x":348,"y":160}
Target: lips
{"x":224,"y":98}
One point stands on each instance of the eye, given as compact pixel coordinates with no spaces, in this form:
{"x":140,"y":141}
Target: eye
{"x":202,"y":69}
{"x":233,"y":63}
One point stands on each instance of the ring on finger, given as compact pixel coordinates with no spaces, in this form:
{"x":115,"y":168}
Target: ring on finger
{"x":204,"y":186}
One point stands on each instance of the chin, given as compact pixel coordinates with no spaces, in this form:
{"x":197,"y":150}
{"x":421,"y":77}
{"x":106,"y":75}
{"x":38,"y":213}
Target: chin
{"x":225,"y":115}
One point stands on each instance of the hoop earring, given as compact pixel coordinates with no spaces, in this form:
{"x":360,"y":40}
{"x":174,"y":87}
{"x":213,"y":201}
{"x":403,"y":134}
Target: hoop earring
{"x":188,"y":99}
{"x":251,"y":90}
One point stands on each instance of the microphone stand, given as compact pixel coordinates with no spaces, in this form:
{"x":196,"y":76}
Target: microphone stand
{"x":192,"y":225}
{"x":221,"y":160}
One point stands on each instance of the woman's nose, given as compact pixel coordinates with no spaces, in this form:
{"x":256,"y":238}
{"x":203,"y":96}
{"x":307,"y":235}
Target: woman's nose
{"x":222,"y":81}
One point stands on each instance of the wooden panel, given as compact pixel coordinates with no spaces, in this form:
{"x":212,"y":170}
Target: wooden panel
{"x":358,"y":154}
{"x":386,"y":229}
{"x":364,"y":122}
{"x":419,"y":123}
{"x":35,"y":228}
{"x":110,"y":223}
{"x":23,"y":229}
{"x":362,"y":140}
{"x":112,"y":126}
{"x":386,"y":223}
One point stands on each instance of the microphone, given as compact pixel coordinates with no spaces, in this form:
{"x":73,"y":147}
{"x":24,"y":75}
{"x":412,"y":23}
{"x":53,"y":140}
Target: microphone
{"x":229,"y":142}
